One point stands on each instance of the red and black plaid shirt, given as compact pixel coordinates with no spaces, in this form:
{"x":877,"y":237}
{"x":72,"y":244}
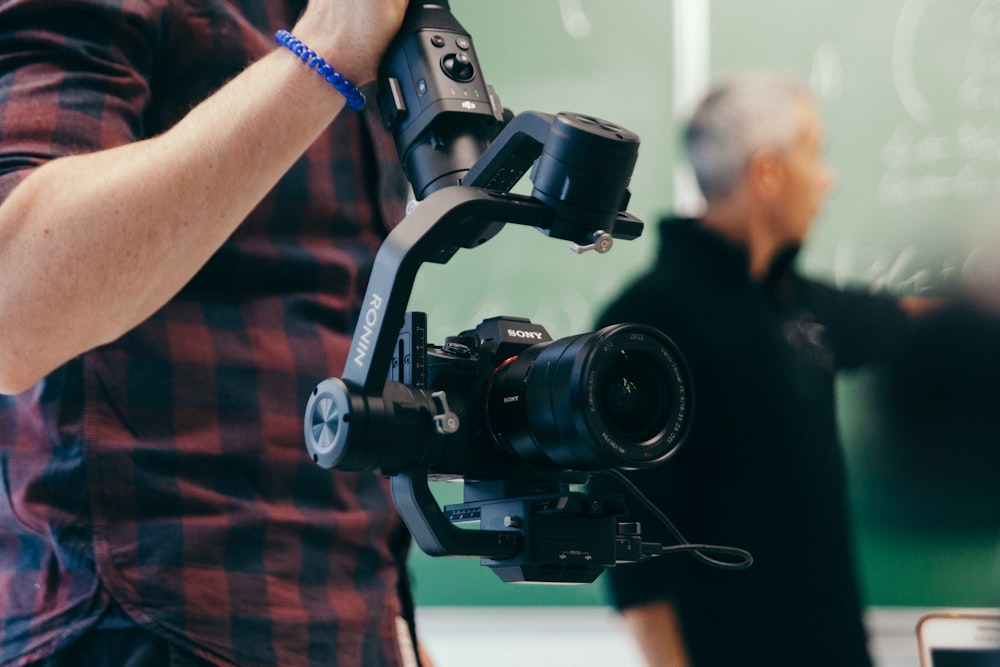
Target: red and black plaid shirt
{"x":167,"y":470}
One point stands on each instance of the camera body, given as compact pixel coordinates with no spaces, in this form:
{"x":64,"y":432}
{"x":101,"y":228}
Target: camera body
{"x":523,"y":403}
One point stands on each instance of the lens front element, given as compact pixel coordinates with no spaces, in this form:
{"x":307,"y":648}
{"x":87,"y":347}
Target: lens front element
{"x":619,"y":397}
{"x":635,"y":395}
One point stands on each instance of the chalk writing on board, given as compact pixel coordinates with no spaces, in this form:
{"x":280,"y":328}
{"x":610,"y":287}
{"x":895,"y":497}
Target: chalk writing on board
{"x":960,"y":164}
{"x":896,"y":270}
{"x":903,"y":48}
{"x":948,"y":146}
{"x":938,"y":180}
{"x":575,"y":21}
{"x":914,"y":269}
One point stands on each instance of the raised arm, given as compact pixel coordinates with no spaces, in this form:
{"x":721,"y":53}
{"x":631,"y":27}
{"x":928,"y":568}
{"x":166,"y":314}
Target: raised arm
{"x":92,"y":244}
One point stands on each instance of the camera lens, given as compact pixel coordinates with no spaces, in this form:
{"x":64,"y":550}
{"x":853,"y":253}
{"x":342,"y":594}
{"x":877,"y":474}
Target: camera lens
{"x":634,"y":397}
{"x":615,"y":398}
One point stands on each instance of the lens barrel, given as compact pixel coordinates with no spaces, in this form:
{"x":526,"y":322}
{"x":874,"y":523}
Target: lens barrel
{"x":619,"y":397}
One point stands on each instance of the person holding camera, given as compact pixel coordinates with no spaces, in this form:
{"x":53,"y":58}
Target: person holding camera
{"x":188,"y":217}
{"x":762,"y":468}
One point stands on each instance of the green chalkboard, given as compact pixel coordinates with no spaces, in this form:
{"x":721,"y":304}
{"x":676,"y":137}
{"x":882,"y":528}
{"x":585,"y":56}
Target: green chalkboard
{"x":911,"y":95}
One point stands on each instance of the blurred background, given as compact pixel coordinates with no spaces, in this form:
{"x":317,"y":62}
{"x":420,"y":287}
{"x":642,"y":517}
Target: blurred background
{"x":910,"y":91}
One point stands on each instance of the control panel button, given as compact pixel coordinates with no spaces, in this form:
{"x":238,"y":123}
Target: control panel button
{"x":458,"y":66}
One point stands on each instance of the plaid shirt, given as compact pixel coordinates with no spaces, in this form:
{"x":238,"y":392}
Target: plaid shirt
{"x":166,"y":471}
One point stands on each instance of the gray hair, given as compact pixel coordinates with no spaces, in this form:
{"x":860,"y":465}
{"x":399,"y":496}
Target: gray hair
{"x":738,"y":117}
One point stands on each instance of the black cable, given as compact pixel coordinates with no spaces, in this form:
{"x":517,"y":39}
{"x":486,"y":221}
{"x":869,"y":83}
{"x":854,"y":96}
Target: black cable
{"x":699,"y":551}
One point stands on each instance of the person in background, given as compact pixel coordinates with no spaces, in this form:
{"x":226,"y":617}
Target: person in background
{"x":188,"y":217}
{"x":762,"y":468}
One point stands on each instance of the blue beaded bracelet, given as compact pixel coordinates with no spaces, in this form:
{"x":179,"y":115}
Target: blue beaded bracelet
{"x":355,"y":98}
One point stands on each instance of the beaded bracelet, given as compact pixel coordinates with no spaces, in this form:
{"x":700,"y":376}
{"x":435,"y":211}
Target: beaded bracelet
{"x":355,"y":98}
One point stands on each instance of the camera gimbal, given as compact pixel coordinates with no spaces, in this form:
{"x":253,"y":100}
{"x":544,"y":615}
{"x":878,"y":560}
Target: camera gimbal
{"x":463,"y":154}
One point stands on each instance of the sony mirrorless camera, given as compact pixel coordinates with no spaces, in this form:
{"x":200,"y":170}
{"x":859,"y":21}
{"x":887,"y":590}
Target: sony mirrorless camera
{"x":514,"y":402}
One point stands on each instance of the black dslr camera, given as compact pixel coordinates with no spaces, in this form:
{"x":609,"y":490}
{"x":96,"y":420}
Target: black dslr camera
{"x":521,"y":419}
{"x":512,"y":403}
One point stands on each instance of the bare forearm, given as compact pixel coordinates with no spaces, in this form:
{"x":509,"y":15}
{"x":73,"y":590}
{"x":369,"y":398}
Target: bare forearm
{"x":103,"y":240}
{"x":91,"y":245}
